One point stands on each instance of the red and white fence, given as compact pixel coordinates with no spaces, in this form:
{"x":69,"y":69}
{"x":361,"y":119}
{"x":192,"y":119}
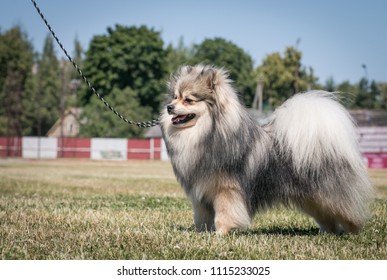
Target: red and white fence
{"x":92,"y":148}
{"x":373,"y":145}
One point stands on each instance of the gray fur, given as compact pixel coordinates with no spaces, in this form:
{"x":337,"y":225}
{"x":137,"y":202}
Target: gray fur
{"x":336,"y":191}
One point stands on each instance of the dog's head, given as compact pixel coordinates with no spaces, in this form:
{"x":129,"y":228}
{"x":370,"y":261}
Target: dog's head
{"x":192,"y":91}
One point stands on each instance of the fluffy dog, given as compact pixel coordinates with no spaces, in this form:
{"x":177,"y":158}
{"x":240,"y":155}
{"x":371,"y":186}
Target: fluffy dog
{"x":230,"y":167}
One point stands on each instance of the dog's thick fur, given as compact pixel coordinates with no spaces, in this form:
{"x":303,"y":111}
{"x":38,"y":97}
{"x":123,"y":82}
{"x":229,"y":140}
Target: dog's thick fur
{"x":230,"y":167}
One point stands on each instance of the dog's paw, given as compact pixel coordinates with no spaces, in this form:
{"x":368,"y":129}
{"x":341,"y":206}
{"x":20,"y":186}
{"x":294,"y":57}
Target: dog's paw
{"x":222,"y":228}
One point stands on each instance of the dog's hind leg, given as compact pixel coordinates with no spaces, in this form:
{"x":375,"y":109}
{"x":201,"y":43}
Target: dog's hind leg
{"x":350,"y":225}
{"x":332,"y":219}
{"x":340,"y":214}
{"x":326,"y":220}
{"x":328,"y":224}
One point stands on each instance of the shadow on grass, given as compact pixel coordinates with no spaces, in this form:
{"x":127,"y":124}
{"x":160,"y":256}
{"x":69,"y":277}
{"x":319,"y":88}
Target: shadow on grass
{"x":285,"y":231}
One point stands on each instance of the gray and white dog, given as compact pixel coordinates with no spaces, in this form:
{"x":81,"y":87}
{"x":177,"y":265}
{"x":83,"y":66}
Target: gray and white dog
{"x":230,"y":167}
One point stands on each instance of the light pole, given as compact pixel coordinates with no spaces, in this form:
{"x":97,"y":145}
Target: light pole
{"x":257,"y":102}
{"x":365,"y":71}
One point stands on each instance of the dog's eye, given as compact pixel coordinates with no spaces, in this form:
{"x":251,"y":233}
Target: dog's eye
{"x":188,"y":101}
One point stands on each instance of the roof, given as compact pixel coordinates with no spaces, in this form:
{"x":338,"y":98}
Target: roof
{"x":75,"y":112}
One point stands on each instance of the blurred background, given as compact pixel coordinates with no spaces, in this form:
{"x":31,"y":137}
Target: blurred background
{"x":128,"y":49}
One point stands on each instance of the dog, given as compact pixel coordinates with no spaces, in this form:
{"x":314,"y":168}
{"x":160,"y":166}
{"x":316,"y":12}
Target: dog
{"x":230,"y":167}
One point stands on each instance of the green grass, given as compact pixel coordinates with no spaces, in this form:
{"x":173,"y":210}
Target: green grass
{"x":136,"y":210}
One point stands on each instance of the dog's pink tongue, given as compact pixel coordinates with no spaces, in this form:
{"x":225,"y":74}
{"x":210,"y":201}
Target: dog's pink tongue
{"x":178,"y":119}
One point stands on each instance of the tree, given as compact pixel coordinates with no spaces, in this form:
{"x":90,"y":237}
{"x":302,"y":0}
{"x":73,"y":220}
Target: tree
{"x":30,"y":103}
{"x":377,"y":95}
{"x":78,"y":58}
{"x":49,"y":88}
{"x":128,"y":57}
{"x":383,"y":93}
{"x":181,"y":55}
{"x":98,"y":121}
{"x":71,"y":79}
{"x":284,"y":76}
{"x":363,"y":95}
{"x":222,"y":53}
{"x":16,"y":59}
{"x":330,"y":85}
{"x":347,"y":93}
{"x":75,"y":80}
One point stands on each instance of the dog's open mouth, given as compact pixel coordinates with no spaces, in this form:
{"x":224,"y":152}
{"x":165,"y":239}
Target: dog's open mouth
{"x":179,"y":119}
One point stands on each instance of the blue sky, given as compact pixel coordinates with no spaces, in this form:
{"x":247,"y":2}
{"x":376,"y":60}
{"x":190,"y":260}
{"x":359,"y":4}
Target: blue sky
{"x":336,"y":37}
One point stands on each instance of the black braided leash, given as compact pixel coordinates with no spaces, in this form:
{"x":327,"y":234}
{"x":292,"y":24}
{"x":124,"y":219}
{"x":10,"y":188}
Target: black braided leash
{"x":139,"y":124}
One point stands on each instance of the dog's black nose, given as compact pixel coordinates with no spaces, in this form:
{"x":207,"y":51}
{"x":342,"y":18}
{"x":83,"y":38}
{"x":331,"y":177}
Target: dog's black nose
{"x":170,"y":108}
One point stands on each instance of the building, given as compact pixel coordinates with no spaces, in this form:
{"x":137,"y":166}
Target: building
{"x":70,"y":124}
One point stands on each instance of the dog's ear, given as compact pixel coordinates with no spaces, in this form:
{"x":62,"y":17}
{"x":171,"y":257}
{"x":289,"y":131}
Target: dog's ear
{"x":188,"y":68}
{"x":185,"y":69}
{"x":211,"y":76}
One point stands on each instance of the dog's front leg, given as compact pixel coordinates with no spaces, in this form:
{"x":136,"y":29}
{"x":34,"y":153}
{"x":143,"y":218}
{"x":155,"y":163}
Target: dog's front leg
{"x":230,"y":211}
{"x":203,"y":216}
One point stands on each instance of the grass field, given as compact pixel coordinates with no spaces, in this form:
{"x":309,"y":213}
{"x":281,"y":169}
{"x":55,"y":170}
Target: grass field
{"x":71,"y":209}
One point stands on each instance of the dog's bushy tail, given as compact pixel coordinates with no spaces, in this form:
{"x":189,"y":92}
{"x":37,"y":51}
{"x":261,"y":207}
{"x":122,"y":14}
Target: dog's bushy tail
{"x":319,"y":136}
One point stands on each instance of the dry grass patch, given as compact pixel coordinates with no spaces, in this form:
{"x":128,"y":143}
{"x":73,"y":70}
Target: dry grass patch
{"x":136,"y":210}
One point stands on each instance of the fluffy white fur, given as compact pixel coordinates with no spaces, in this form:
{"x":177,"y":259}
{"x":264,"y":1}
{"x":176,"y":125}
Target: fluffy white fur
{"x":230,"y":167}
{"x":313,"y":125}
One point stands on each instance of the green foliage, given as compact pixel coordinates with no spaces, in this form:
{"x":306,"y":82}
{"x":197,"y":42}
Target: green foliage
{"x":31,"y":107}
{"x":49,"y":87}
{"x":98,"y":121}
{"x":347,"y":93}
{"x":330,"y":85}
{"x":223,"y":53}
{"x":368,"y":95}
{"x":129,"y":67}
{"x":181,"y":55}
{"x":383,"y":94}
{"x":363,"y":95}
{"x":128,"y":57}
{"x":16,"y":58}
{"x":15,"y":54}
{"x":78,"y":59}
{"x":284,"y":76}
